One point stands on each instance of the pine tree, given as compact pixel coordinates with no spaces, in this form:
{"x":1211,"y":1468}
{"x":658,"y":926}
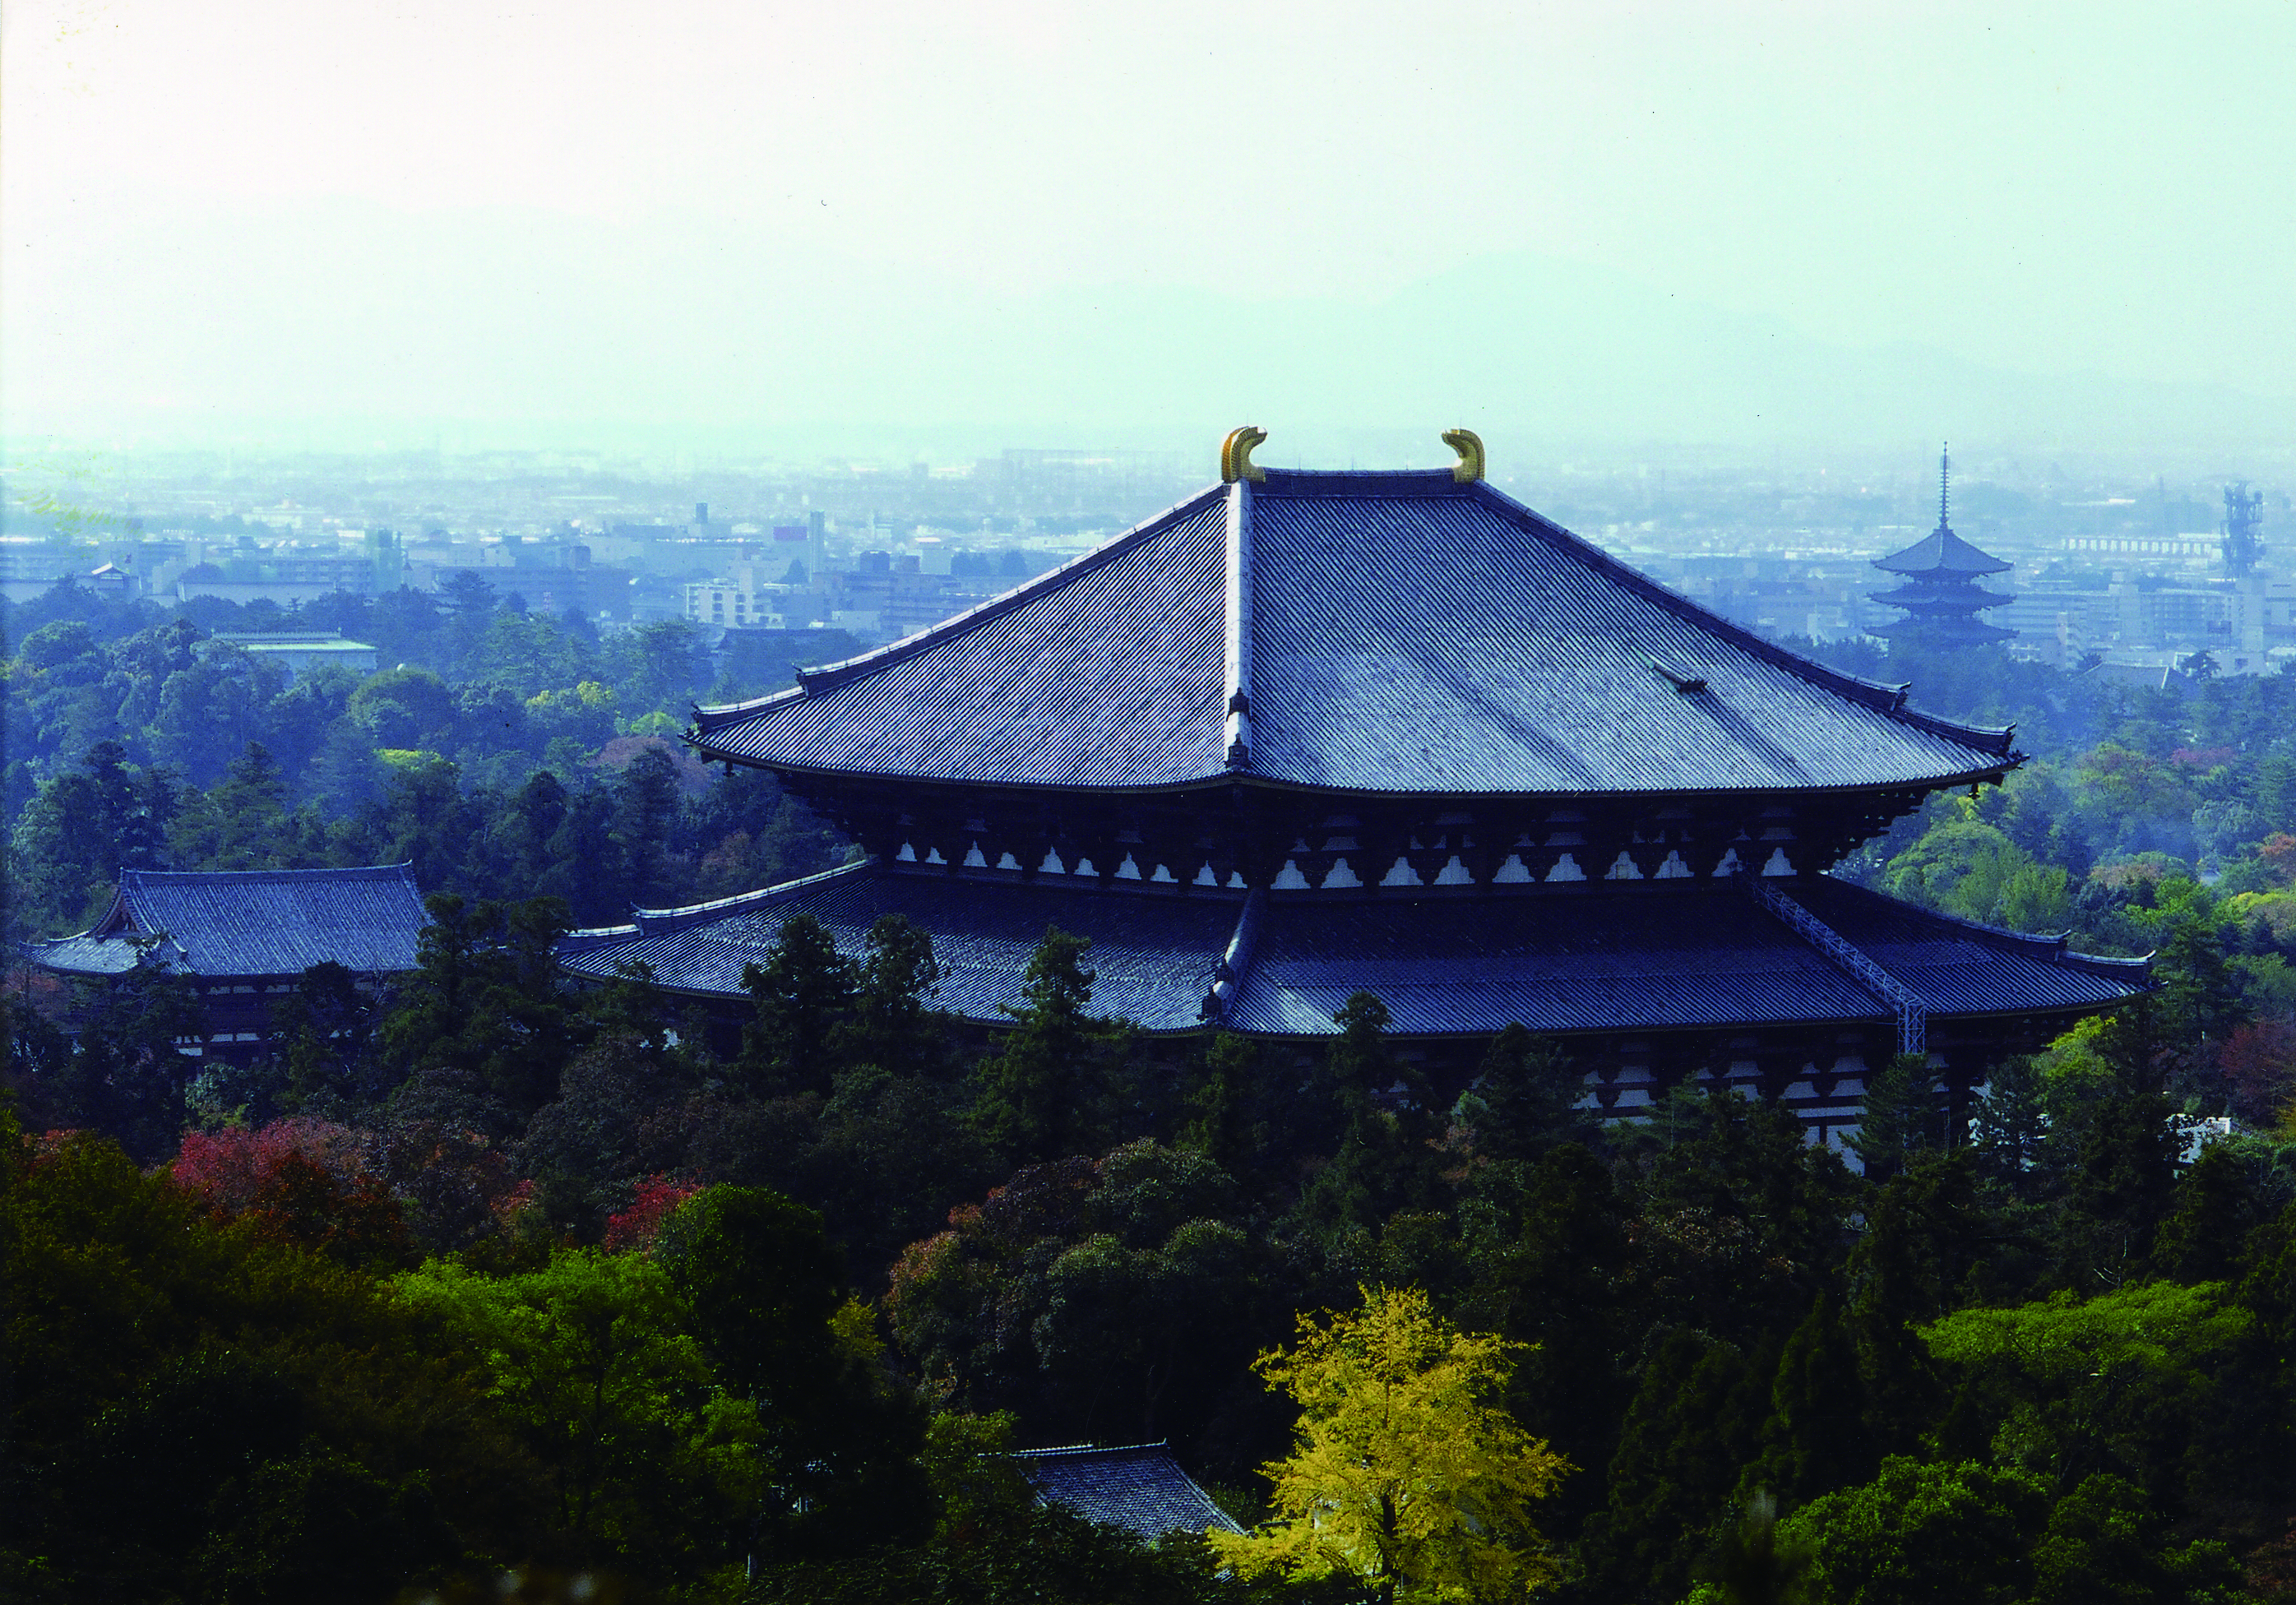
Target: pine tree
{"x":805,"y":992}
{"x":1694,"y":1421}
{"x":1817,"y":1438}
{"x":1903,"y":1116}
{"x":1044,"y":1095}
{"x":1525,"y":1098}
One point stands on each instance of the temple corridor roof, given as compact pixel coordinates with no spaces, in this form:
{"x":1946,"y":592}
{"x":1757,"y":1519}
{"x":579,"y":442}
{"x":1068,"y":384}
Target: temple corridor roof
{"x":1385,"y":633}
{"x":250,"y":922}
{"x":1625,"y":958}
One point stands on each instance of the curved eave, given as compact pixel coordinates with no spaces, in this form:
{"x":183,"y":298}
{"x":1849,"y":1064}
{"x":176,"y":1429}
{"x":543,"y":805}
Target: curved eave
{"x":1227,"y":778}
{"x":653,"y":921}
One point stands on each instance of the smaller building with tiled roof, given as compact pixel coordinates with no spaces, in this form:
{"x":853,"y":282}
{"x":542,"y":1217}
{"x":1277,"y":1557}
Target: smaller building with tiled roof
{"x":247,"y":935}
{"x":1139,"y":1487}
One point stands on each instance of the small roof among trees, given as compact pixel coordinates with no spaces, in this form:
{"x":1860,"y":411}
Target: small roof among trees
{"x":1139,"y":1486}
{"x":251,"y":922}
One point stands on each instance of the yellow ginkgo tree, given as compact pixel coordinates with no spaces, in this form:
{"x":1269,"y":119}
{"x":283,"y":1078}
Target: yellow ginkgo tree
{"x":1407,"y":1473}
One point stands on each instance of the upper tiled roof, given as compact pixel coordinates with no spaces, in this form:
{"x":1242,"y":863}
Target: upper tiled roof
{"x":1393,"y":633}
{"x":1141,"y":1488}
{"x":253,"y":923}
{"x":1559,"y":960}
{"x":1109,"y":667}
{"x":1942,"y":552}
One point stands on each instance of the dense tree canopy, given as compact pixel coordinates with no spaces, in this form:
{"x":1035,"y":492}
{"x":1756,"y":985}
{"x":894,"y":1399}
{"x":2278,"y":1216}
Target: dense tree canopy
{"x":492,"y":1273}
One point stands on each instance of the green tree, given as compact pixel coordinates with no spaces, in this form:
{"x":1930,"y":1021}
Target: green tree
{"x":1405,"y":1474}
{"x":1551,"y":1263}
{"x":404,"y":708}
{"x":1903,"y":1115}
{"x":1045,"y":1092}
{"x":805,"y":993}
{"x":2008,"y":1124}
{"x":1696,"y":1419}
{"x":591,"y":1358}
{"x":1817,"y":1437}
{"x":127,"y":1074}
{"x":482,"y":1029}
{"x":80,"y":830}
{"x":241,"y":823}
{"x":836,"y":1438}
{"x":1525,"y":1098}
{"x":1920,"y":1534}
{"x":2152,"y":1384}
{"x":1924,"y":1237}
{"x":1386,"y":1159}
{"x":2104,"y":1546}
{"x":200,"y":1410}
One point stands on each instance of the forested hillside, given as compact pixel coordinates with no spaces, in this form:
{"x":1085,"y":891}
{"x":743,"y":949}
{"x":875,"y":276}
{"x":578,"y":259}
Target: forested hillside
{"x":506,"y":1275}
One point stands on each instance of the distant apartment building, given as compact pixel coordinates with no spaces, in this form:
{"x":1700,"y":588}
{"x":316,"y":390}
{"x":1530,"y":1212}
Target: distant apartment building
{"x":246,"y":572}
{"x":746,"y":598}
{"x":2203,"y":548}
{"x":2238,"y":623}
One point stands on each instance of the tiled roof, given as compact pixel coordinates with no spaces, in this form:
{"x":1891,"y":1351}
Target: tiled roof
{"x":1154,"y":957}
{"x":253,"y":923}
{"x":1960,"y":967}
{"x":1942,"y":552}
{"x":1581,"y":961}
{"x":1395,"y":633}
{"x":1141,"y":1488}
{"x":1595,"y":958}
{"x":1109,"y":666}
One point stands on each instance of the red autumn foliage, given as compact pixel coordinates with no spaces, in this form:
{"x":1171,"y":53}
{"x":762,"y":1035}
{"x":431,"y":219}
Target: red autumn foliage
{"x":637,"y":1226}
{"x":297,"y":1181}
{"x":2258,"y":1064}
{"x":2278,"y":853}
{"x":229,"y":1168}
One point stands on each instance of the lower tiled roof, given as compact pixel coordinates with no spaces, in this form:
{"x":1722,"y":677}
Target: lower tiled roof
{"x":1140,"y":1487}
{"x":1153,"y":957}
{"x":1596,"y":958}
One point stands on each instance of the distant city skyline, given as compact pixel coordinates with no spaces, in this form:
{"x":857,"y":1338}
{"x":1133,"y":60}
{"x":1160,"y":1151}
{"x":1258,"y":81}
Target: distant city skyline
{"x":1751,"y":227}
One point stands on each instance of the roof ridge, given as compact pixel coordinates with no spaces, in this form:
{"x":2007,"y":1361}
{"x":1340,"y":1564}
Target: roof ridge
{"x":828,"y":676}
{"x":1887,"y":699}
{"x":647,"y":920}
{"x":1162,"y":1443}
{"x":405,"y":869}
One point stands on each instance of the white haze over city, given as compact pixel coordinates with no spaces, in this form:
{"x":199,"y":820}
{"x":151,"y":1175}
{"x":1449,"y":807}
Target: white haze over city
{"x":908,"y":227}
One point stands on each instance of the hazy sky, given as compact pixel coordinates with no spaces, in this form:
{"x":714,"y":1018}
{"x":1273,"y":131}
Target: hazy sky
{"x":595,"y":217}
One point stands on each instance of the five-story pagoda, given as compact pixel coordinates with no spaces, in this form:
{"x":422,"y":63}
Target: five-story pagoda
{"x":1308,"y":733}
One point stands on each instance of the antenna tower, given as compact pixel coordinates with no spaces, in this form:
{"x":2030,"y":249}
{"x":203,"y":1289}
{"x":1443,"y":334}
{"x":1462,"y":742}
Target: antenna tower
{"x":2243,"y":548}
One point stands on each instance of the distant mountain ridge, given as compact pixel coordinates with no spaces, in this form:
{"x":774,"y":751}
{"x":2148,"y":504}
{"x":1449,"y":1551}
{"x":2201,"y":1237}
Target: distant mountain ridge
{"x":344,"y":317}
